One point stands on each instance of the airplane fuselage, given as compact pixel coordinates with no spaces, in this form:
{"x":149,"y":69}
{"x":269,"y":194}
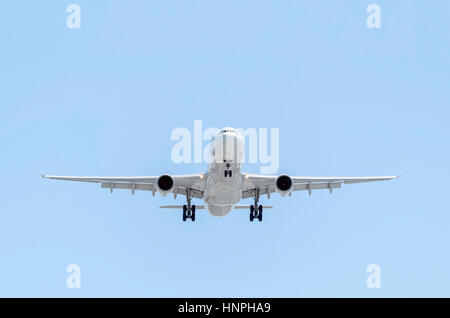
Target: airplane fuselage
{"x":223,"y":193}
{"x":223,"y":188}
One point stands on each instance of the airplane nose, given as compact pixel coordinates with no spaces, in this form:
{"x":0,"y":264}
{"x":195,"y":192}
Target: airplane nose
{"x":229,"y":147}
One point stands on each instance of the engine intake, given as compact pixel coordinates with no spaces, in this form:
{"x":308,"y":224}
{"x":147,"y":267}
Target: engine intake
{"x":284,"y":185}
{"x":165,"y":184}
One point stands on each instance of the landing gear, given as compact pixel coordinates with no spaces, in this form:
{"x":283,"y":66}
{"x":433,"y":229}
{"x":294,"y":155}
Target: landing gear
{"x":188,"y":213}
{"x":193,"y":213}
{"x":256,"y":211}
{"x":188,"y":209}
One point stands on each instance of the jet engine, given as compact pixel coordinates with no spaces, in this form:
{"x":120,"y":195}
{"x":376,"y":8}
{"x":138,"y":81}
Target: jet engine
{"x":165,"y":184}
{"x":284,"y":185}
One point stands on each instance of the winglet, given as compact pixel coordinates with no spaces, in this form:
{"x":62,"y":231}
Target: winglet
{"x":41,"y":174}
{"x":401,"y":172}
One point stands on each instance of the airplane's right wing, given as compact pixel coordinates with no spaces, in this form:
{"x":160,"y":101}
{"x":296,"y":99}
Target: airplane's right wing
{"x":182,"y":183}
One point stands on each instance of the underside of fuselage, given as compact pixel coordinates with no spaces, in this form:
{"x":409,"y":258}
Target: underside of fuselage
{"x":219,"y":210}
{"x":223,"y":188}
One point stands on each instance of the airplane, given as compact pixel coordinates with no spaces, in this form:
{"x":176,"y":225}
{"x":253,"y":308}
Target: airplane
{"x":224,"y":185}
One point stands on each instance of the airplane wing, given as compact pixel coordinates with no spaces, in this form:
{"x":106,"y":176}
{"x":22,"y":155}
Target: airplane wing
{"x":266,"y":184}
{"x":195,"y":183}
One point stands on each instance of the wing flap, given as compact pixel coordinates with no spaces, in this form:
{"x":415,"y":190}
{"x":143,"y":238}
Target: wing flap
{"x":316,"y":186}
{"x":193,"y":192}
{"x":137,"y":186}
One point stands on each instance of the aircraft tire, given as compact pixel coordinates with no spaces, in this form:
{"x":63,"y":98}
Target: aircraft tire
{"x":184,"y":213}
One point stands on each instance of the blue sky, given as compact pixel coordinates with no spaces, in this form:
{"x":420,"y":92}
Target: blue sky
{"x":104,"y":99}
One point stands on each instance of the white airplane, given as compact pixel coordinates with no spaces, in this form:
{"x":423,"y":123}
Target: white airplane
{"x":224,"y":185}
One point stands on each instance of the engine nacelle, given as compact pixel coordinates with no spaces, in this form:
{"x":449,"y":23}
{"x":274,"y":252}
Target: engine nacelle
{"x":165,"y":184}
{"x":284,"y":185}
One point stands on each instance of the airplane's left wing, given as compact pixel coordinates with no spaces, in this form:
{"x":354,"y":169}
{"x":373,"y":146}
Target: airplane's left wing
{"x":182,"y":183}
{"x":268,"y":184}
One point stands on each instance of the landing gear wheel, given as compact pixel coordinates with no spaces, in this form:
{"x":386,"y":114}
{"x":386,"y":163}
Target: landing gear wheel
{"x":256,"y":209}
{"x":184,"y":213}
{"x":193,"y":213}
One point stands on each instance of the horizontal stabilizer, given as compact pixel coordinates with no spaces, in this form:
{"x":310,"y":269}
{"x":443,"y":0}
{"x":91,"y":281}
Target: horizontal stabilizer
{"x":201,"y":207}
{"x":242,"y":207}
{"x":197,"y":207}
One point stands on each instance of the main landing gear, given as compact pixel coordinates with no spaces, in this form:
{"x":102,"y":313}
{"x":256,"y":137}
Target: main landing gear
{"x":188,"y":209}
{"x":256,"y":213}
{"x":189,"y":212}
{"x":256,"y":210}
